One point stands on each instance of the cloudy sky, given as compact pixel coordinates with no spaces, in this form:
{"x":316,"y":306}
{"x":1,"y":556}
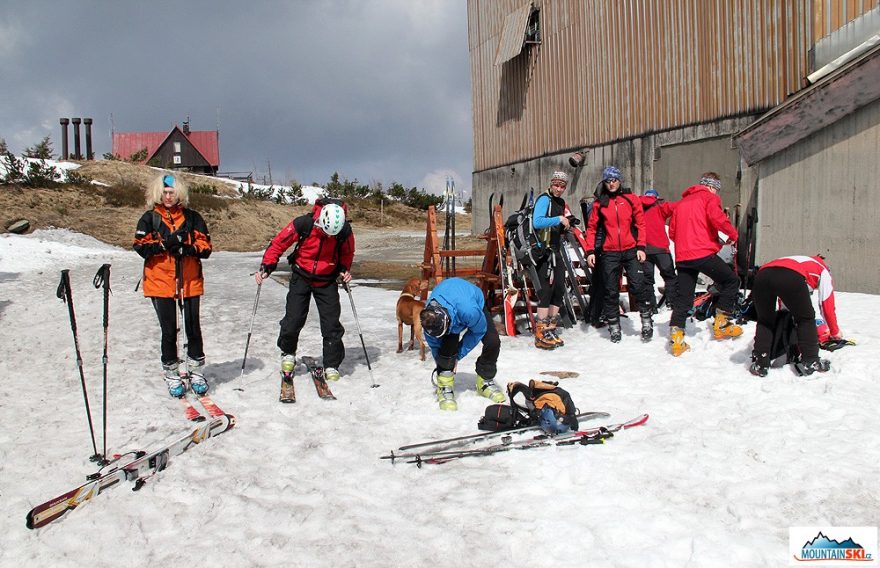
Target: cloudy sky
{"x":378,"y":90}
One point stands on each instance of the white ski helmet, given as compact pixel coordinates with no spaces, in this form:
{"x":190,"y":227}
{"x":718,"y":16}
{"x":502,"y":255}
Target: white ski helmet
{"x":331,"y":219}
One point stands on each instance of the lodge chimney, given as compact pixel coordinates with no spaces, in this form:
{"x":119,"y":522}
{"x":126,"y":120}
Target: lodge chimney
{"x":64,"y":123}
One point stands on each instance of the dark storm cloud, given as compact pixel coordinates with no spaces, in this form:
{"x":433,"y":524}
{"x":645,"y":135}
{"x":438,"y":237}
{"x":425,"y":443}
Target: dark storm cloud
{"x":377,"y":90}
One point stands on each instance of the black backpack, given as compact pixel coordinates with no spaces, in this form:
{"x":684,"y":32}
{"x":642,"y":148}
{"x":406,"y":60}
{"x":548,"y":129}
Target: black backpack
{"x":537,"y":397}
{"x":525,"y":244}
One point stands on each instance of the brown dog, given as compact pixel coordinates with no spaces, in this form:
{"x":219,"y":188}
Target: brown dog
{"x":408,"y":311}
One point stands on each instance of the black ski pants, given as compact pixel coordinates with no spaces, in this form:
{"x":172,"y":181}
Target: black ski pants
{"x":551,"y":272}
{"x":447,"y":356}
{"x":614,"y":264}
{"x":167,"y":311}
{"x":597,"y":292}
{"x":663,"y":262}
{"x":297,"y":310}
{"x":716,"y":269}
{"x":790,"y":287}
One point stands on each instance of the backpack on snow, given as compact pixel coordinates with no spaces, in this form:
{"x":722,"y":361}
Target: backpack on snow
{"x":544,"y":404}
{"x":305,"y":223}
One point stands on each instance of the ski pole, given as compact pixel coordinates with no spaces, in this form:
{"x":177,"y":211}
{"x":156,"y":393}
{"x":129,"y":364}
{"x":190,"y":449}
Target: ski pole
{"x":250,"y":331}
{"x":358,"y":323}
{"x":65,"y":294}
{"x":181,"y":318}
{"x":102,"y":278}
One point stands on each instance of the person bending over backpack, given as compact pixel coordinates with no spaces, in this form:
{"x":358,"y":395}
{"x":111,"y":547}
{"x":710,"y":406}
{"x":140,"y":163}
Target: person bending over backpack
{"x":454,"y":320}
{"x":324,"y":251}
{"x":791,"y":279}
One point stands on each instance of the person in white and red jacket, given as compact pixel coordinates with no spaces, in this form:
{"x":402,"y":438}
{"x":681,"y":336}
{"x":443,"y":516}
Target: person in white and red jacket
{"x":791,"y":279}
{"x":694,"y":228}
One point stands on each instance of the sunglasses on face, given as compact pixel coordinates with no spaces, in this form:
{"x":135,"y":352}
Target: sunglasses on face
{"x":612,"y":180}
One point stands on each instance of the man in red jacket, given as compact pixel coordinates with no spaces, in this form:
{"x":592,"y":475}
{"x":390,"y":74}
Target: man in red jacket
{"x":791,"y":279}
{"x":324,"y":251}
{"x":618,"y":213}
{"x":657,"y":211}
{"x":694,"y":228}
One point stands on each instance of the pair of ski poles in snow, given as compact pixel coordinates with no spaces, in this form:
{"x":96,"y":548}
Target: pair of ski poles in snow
{"x":251,"y":330}
{"x":65,"y":294}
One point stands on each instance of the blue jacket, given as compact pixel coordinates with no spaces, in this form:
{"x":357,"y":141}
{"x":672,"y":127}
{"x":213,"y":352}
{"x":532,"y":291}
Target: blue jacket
{"x":465,"y":305}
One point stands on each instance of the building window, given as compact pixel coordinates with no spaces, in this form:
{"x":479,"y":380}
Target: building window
{"x":177,"y":147}
{"x":177,"y":159}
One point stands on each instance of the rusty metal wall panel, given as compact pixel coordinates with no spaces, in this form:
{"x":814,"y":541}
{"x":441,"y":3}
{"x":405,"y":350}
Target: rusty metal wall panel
{"x":610,"y":70}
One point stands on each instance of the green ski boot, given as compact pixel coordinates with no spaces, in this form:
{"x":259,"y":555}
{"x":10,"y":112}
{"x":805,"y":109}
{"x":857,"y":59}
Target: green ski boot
{"x":445,"y":395}
{"x":488,"y":389}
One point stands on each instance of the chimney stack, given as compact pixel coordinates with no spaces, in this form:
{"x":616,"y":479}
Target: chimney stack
{"x":64,"y":123}
{"x":77,"y":155}
{"x":88,"y":124}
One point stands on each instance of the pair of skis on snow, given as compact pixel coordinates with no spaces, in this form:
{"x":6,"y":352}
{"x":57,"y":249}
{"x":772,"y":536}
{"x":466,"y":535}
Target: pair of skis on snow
{"x":450,"y":449}
{"x":139,"y":467}
{"x":288,"y":391}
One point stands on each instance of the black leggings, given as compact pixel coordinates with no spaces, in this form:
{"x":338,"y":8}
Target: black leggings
{"x":790,"y":287}
{"x":166,"y":310}
{"x":447,"y":356}
{"x":551,"y":271}
{"x":716,"y":269}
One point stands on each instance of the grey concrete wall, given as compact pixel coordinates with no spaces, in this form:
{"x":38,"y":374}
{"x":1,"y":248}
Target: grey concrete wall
{"x":823,"y":195}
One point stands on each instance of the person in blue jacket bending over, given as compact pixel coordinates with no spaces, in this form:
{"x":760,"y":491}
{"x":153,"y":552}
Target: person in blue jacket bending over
{"x":454,"y":320}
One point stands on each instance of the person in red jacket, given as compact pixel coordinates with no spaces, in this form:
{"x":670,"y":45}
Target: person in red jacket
{"x":694,"y":227}
{"x":619,"y":214}
{"x":323,"y":251}
{"x":791,"y":279}
{"x":657,"y":211}
{"x":173,"y":240}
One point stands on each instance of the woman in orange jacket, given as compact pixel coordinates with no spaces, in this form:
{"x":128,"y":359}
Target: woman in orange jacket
{"x":173,"y":240}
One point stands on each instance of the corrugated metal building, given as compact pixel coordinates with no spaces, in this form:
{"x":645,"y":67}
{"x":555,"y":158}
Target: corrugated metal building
{"x":656,"y":88}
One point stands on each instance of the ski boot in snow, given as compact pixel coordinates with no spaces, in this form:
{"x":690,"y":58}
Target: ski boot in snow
{"x":807,"y":368}
{"x":676,"y":336}
{"x":175,"y":385}
{"x":758,"y":370}
{"x":543,"y":339}
{"x":554,"y":331}
{"x":647,"y":326}
{"x":614,"y":330}
{"x":445,"y":395}
{"x":488,"y":389}
{"x":724,"y":326}
{"x":331,"y":374}
{"x":197,"y":381}
{"x":288,"y":364}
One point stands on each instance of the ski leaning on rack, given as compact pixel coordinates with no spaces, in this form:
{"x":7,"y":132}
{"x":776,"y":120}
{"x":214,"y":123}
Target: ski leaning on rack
{"x":317,"y":372}
{"x":413,"y":450}
{"x":138,"y":471}
{"x":586,"y":437}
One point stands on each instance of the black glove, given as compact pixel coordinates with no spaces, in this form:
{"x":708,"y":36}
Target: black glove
{"x":573,"y":221}
{"x":268,"y":269}
{"x":173,"y":242}
{"x":188,"y":250}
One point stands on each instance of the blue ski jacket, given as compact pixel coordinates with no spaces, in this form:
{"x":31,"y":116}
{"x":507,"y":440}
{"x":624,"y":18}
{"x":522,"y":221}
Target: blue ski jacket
{"x":465,"y":305}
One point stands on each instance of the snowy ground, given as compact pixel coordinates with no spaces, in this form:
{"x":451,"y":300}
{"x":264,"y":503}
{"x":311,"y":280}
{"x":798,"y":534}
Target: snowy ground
{"x":726,"y":464}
